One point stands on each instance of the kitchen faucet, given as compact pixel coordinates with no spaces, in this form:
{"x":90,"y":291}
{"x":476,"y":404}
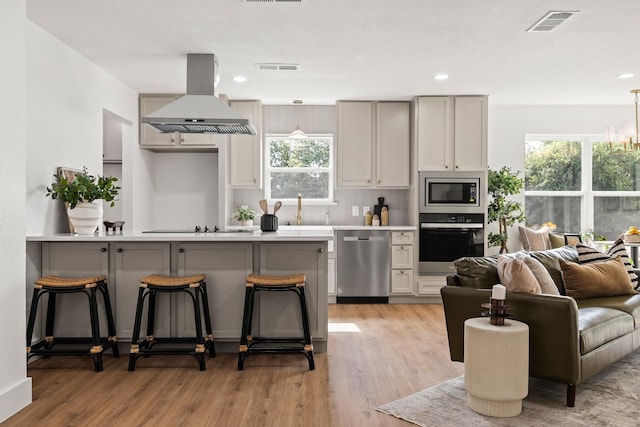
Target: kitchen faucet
{"x":299,"y":214}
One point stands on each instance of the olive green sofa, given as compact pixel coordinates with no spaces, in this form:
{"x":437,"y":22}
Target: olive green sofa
{"x":570,"y":340}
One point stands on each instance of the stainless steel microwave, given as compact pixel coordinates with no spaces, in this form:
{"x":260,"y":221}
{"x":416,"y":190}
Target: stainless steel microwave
{"x":451,"y":192}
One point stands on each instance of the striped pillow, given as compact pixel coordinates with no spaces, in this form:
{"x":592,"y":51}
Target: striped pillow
{"x":618,"y":249}
{"x":588,"y":255}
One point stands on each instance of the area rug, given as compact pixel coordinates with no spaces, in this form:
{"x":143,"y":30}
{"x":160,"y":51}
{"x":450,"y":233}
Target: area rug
{"x":612,"y":398}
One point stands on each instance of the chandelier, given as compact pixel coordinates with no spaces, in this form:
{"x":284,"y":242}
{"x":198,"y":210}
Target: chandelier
{"x":626,"y":137}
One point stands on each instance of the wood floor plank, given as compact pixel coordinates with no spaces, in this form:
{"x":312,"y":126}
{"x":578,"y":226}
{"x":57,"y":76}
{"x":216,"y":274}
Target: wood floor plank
{"x":399,"y":350}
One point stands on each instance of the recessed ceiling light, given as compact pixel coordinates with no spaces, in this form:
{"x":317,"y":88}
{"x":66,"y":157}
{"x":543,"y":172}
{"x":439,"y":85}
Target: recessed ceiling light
{"x":441,"y":77}
{"x":239,"y":79}
{"x":625,"y":75}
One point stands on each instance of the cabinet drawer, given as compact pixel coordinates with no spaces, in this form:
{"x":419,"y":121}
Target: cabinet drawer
{"x":402,"y":281}
{"x":430,"y":285}
{"x":402,"y":238}
{"x":402,"y":256}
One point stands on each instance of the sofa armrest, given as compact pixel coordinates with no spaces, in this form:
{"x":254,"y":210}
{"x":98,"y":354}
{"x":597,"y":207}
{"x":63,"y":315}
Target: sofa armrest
{"x":554,"y":352}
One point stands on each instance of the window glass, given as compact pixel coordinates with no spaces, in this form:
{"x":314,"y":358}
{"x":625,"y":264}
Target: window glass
{"x":553,"y":165}
{"x":615,"y":167}
{"x":299,"y":166}
{"x":615,"y":215}
{"x":564,"y":211}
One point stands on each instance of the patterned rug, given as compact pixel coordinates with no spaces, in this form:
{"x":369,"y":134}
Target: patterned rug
{"x":610,"y":399}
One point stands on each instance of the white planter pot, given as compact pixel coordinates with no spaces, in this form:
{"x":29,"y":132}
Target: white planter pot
{"x":86,"y":217}
{"x":247,"y":222}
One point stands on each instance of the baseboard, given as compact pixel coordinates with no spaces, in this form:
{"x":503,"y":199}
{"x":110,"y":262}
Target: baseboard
{"x":15,"y":398}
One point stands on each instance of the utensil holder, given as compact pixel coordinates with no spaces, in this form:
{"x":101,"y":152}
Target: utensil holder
{"x":269,"y":222}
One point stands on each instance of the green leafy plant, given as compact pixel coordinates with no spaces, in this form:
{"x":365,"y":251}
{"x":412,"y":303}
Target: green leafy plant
{"x":83,"y":188}
{"x":244,"y":214}
{"x":502,"y":184}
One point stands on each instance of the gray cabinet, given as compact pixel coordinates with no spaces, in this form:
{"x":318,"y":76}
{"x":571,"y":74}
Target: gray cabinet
{"x":133,"y":261}
{"x":245,"y":151}
{"x":279,"y":313}
{"x":226,"y":266}
{"x":373,"y":144}
{"x":76,"y":260}
{"x":451,"y":133}
{"x":152,"y":139}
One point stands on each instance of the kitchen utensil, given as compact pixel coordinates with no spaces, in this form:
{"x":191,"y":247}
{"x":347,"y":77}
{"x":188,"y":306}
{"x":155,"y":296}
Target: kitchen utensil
{"x":264,"y":206}
{"x":277,"y":206}
{"x":269,"y":222}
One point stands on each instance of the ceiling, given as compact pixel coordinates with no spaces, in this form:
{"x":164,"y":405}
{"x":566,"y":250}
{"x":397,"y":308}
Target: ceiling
{"x":361,"y":49}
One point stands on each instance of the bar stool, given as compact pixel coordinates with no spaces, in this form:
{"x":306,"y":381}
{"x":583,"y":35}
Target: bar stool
{"x":54,"y":285}
{"x":250,"y":345}
{"x":194,"y":286}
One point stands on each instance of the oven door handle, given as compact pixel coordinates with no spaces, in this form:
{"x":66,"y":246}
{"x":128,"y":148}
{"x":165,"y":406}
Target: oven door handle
{"x":450,"y":225}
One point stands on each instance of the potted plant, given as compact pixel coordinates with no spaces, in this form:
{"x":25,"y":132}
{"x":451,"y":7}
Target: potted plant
{"x":82,"y":194}
{"x":244,"y":215}
{"x":502,"y":184}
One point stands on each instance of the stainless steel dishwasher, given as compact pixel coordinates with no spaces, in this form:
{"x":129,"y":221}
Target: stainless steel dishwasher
{"x":363,"y":266}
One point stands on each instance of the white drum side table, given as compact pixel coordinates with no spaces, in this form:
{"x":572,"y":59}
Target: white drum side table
{"x":496,"y":366}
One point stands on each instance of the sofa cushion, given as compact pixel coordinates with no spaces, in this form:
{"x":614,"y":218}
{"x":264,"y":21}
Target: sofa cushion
{"x":547,"y":285}
{"x":627,"y":303}
{"x":550,"y":261}
{"x":516,"y":276}
{"x":534,"y":240}
{"x":477,"y":272}
{"x":598,"y":326}
{"x":556,"y":240}
{"x":597,"y":279}
{"x":618,"y":249}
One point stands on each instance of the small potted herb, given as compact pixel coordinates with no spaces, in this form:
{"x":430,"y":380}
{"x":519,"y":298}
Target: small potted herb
{"x":244,"y":215}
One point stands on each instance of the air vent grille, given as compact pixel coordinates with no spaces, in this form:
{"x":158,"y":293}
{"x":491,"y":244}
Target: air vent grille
{"x":272,"y":1}
{"x":551,"y":20}
{"x":278,"y":67}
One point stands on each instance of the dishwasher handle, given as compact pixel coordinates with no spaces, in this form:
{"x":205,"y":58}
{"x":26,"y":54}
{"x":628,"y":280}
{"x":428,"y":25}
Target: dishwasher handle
{"x":363,"y":239}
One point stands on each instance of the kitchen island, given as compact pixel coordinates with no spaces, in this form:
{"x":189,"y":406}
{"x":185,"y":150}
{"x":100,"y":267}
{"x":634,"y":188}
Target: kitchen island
{"x":225,"y":258}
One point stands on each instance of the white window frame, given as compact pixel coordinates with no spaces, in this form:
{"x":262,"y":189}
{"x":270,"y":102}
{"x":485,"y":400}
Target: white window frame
{"x":587,"y":194}
{"x":268,"y":169}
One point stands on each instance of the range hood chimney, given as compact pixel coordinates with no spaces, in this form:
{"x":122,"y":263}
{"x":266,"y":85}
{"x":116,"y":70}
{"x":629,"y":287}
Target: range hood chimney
{"x":200,"y":110}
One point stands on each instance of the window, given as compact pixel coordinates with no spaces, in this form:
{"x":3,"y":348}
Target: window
{"x":299,"y":166}
{"x":581,"y":183}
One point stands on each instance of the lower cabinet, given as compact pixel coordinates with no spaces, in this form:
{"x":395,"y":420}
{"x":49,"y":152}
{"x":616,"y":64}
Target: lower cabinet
{"x":74,"y":260}
{"x":279,"y":313}
{"x":430,"y":285}
{"x":133,"y":261}
{"x":402,"y":262}
{"x":226,"y":266}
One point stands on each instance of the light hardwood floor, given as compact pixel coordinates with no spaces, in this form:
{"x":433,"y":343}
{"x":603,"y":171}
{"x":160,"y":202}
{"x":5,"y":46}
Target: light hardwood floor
{"x":399,"y":350}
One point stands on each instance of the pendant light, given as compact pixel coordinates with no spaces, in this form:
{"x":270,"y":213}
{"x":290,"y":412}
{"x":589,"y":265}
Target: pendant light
{"x":636,"y":144}
{"x":297,"y":133}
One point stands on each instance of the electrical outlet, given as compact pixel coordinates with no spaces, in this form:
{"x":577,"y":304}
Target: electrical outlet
{"x":365,"y":209}
{"x":355,"y":210}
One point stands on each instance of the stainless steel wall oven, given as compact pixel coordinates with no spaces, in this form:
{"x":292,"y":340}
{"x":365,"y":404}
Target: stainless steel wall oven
{"x":447,"y":237}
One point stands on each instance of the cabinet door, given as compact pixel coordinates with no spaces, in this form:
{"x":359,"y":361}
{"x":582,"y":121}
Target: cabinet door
{"x":434,"y":133}
{"x":470,"y":133}
{"x":133,"y":261}
{"x":226,"y":266}
{"x":354,"y":144}
{"x":331,"y":279}
{"x":392,"y":144}
{"x":279,"y":313}
{"x":245,"y":151}
{"x":149,"y":136}
{"x":430,"y":285}
{"x":402,"y":281}
{"x":76,"y":260}
{"x":402,"y":238}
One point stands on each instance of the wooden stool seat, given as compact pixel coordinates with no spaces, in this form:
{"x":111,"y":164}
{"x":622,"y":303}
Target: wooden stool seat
{"x":158,"y":280}
{"x":150,"y":286}
{"x":54,"y":285}
{"x":250,"y":344}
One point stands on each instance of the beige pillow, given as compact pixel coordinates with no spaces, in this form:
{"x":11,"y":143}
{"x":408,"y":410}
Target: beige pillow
{"x":534,"y":240}
{"x":547,"y":285}
{"x":516,"y":276}
{"x":597,"y":279}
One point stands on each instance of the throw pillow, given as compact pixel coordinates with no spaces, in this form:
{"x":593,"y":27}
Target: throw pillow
{"x":516,"y":276}
{"x":596,"y":279}
{"x":547,"y":285}
{"x":556,"y":240}
{"x":618,"y":249}
{"x":587,"y":254}
{"x":534,"y":240}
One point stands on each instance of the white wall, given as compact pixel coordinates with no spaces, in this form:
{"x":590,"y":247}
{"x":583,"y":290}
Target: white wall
{"x":15,"y":387}
{"x":508,"y":126}
{"x":66,"y":96}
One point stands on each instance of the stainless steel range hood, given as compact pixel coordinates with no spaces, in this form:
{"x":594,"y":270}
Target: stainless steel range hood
{"x":200,"y":110}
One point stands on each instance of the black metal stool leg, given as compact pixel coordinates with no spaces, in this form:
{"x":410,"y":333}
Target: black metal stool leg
{"x":207,"y":320}
{"x":96,"y":349}
{"x":51,"y":313}
{"x":111,"y":324}
{"x":32,"y":318}
{"x":308,"y":345}
{"x":135,"y":337}
{"x":246,"y":326}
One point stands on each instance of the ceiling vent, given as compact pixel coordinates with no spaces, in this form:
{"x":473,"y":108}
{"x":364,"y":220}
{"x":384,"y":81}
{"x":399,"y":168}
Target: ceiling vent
{"x":278,"y":67}
{"x":272,"y":1}
{"x":551,"y":20}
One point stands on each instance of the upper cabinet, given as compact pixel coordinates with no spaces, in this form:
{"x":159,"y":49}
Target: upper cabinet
{"x":451,"y":133}
{"x":245,"y":151}
{"x":152,"y":139}
{"x":373,"y":144}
